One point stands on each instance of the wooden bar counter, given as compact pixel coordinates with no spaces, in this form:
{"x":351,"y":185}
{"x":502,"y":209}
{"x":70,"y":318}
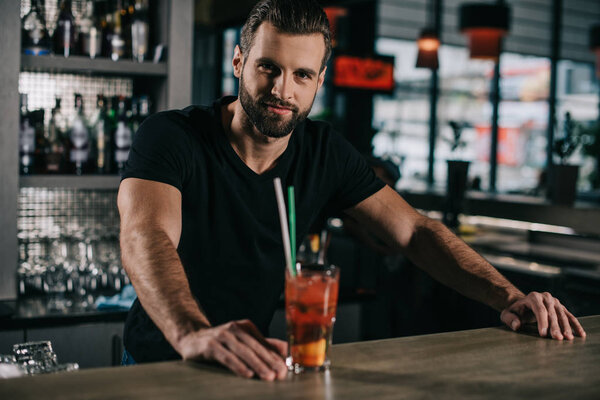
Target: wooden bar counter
{"x":492,"y":363}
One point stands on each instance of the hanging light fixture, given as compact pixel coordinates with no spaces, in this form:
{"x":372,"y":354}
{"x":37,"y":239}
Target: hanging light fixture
{"x":486,"y":25}
{"x":333,"y":14}
{"x":428,"y":44}
{"x":595,"y":46}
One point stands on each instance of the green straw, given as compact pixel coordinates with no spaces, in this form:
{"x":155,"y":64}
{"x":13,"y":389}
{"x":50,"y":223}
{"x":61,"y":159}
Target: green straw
{"x":292,"y":218}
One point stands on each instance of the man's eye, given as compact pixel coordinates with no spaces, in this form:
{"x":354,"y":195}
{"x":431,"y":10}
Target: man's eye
{"x":267,"y":67}
{"x":302,"y":75}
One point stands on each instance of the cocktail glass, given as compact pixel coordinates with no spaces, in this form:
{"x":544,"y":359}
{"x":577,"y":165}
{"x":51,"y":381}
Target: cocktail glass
{"x":310,"y":304}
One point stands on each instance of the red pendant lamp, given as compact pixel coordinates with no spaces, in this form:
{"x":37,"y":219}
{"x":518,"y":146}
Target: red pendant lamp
{"x":333,"y":13}
{"x":486,"y":25}
{"x":428,"y":41}
{"x":428,"y":44}
{"x":595,"y":46}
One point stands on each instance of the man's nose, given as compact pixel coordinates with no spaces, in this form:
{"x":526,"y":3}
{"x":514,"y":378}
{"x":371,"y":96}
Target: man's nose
{"x":283,"y":86}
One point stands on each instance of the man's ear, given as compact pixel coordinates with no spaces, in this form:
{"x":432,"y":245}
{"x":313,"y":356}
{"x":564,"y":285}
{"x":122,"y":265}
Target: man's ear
{"x":321,"y":78}
{"x":237,"y":61}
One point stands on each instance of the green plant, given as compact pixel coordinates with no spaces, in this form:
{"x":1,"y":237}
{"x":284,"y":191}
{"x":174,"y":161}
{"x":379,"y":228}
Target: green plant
{"x":590,"y":144}
{"x":568,"y":143}
{"x":457,"y":128}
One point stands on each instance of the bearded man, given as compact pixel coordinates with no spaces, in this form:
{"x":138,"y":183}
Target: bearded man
{"x":200,"y":233}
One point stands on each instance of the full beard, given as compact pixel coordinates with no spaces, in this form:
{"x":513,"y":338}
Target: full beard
{"x":268,"y":123}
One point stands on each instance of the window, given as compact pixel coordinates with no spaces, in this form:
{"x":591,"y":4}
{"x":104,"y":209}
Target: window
{"x":522,"y":122}
{"x":577,"y":93}
{"x":464,"y":103}
{"x":402,"y":120}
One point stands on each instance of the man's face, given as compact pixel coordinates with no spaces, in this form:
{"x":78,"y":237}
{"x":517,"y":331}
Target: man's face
{"x":279,"y":79}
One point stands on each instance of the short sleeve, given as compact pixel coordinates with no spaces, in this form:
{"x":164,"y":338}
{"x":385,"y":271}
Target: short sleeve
{"x":355,"y":178}
{"x":161,"y":151}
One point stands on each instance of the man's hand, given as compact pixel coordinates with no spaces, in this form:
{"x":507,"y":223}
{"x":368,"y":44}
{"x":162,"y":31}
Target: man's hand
{"x":552,"y":317}
{"x":239,"y":346}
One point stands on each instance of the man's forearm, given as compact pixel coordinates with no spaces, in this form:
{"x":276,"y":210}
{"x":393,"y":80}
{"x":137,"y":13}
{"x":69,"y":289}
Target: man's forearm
{"x":452,"y":262}
{"x":157,"y":274}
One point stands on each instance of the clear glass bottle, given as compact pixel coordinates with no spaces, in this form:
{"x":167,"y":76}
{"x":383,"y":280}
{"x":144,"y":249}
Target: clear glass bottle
{"x":144,"y":104}
{"x":123,"y":136}
{"x":34,"y":35}
{"x":64,"y":34}
{"x":26,"y":139}
{"x":80,"y":138}
{"x":90,"y":32}
{"x":140,"y":31}
{"x":117,"y":41}
{"x":134,"y":121}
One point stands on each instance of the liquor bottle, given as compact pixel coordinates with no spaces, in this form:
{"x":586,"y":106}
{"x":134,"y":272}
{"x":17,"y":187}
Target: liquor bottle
{"x":26,"y":139}
{"x":101,"y":147}
{"x":34,"y":35}
{"x":55,"y":162}
{"x":140,"y":31}
{"x":123,"y":136}
{"x":106,"y":23}
{"x":64,"y":35}
{"x":140,"y":108}
{"x":127,"y":12}
{"x":80,"y":138}
{"x":117,"y":42}
{"x":62,"y":125}
{"x":144,"y":104}
{"x":36,"y":117}
{"x":90,"y":32}
{"x":134,"y":121}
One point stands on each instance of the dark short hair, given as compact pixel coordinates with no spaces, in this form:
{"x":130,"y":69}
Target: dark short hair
{"x":297,"y":17}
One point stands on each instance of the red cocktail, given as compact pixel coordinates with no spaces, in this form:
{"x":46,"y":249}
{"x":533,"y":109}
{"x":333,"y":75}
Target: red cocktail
{"x":310,"y":303}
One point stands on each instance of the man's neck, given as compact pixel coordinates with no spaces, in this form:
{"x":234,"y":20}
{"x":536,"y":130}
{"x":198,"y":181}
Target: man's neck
{"x":259,"y":152}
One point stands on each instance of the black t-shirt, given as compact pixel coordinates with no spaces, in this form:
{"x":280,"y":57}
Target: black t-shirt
{"x":231,"y":246}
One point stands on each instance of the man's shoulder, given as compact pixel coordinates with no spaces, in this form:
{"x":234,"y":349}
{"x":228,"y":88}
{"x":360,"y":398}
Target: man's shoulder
{"x":322,"y":132}
{"x":318,"y":131}
{"x":186,"y":122}
{"x":316,"y":126}
{"x":188,"y":116}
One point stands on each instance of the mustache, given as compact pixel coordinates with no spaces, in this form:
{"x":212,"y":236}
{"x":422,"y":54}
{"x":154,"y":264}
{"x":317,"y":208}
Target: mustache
{"x":278,"y":103}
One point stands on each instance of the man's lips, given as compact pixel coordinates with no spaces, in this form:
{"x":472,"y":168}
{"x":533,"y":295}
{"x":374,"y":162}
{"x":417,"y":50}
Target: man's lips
{"x":281,"y":110}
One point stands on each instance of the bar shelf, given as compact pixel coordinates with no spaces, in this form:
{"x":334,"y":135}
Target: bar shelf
{"x":70,"y":181}
{"x":98,"y":66}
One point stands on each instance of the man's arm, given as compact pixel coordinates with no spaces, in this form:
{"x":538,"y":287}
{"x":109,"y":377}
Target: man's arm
{"x":432,"y":247}
{"x":150,"y":232}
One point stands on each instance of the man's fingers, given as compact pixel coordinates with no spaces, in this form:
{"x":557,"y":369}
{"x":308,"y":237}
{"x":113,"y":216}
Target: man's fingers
{"x":554,"y":326}
{"x":510,"y":319}
{"x":579,"y":331}
{"x":541,"y":315}
{"x":563,"y":320}
{"x":552,"y":317}
{"x":230,"y":360}
{"x":280,"y":345}
{"x":248,"y":327}
{"x":248,"y":354}
{"x":269,"y":359}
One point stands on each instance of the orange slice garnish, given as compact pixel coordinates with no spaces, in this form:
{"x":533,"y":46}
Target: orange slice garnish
{"x":310,"y":354}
